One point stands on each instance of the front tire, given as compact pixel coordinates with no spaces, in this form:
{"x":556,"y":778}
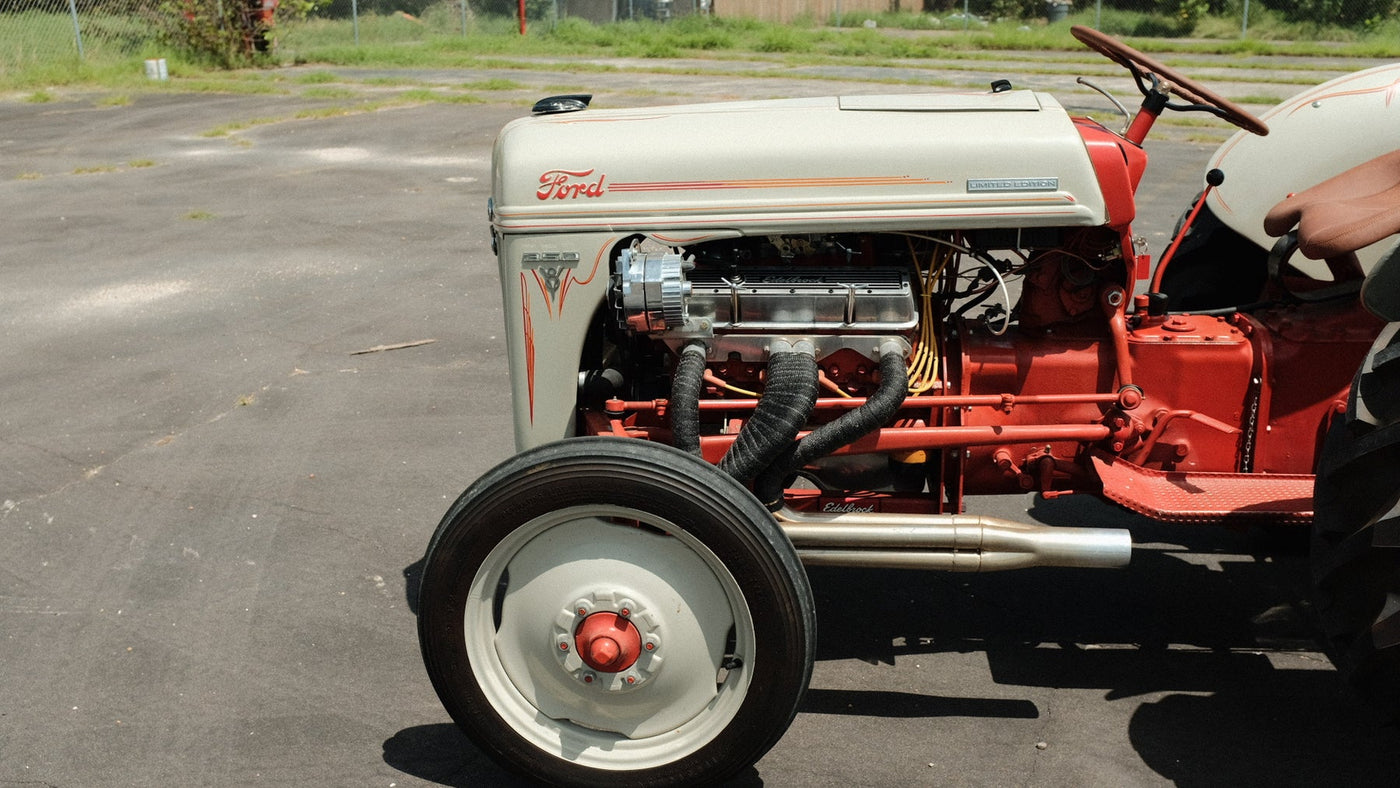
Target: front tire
{"x":1356,"y":531}
{"x":613,"y":611}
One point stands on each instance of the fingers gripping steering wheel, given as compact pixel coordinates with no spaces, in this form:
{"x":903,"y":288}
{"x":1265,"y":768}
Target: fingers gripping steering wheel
{"x":1146,"y":70}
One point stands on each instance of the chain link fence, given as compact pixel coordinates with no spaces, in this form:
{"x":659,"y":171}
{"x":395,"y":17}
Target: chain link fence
{"x":36,"y":33}
{"x":56,"y":34}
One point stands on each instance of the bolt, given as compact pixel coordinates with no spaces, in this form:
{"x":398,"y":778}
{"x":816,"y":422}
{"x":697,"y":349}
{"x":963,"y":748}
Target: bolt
{"x":624,"y":612}
{"x":563,"y":646}
{"x":631,"y":679}
{"x":603,"y":651}
{"x":583,"y":611}
{"x":651,"y":647}
{"x":588,"y":678}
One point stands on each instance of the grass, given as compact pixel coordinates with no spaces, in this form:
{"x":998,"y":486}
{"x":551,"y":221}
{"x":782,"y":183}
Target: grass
{"x":225,"y":129}
{"x":406,"y":98}
{"x":436,"y":40}
{"x":390,"y":43}
{"x":492,"y":85}
{"x":426,"y":96}
{"x":316,"y":78}
{"x":329,"y":93}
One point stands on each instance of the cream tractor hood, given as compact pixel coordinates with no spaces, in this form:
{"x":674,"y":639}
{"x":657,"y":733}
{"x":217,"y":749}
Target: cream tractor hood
{"x":923,"y":161}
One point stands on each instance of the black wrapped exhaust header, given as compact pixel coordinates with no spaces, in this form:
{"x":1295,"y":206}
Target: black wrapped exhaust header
{"x":851,"y":426}
{"x":789,"y":395}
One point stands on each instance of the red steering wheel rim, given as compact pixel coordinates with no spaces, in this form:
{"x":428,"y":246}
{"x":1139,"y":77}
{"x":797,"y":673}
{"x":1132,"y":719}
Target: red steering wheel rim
{"x":1177,"y":83}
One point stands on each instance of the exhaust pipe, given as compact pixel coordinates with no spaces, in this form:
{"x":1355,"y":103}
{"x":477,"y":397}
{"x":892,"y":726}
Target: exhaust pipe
{"x":948,"y":542}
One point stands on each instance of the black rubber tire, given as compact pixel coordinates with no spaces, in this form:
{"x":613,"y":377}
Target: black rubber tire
{"x":1356,"y":533}
{"x":661,"y":490}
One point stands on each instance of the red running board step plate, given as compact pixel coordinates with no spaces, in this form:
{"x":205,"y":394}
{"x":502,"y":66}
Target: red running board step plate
{"x":1185,"y":497}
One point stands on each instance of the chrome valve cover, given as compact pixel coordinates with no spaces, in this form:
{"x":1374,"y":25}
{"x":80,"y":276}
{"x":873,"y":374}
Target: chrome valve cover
{"x":804,"y":299}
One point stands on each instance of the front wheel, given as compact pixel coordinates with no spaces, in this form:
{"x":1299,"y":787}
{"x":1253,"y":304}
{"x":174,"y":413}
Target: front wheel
{"x":612,"y":611}
{"x":1356,"y":532}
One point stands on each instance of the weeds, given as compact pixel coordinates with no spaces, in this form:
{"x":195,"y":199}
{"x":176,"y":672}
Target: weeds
{"x":226,"y":129}
{"x":328,"y":93}
{"x":315,"y":78}
{"x":437,"y":40}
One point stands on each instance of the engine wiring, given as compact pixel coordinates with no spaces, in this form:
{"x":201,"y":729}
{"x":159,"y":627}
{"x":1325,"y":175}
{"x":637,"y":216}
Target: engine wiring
{"x":988,"y":264}
{"x":1005,"y":297}
{"x":716,"y":380}
{"x":923,"y":361}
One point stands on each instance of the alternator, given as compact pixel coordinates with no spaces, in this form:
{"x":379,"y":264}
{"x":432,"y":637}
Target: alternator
{"x":650,"y":290}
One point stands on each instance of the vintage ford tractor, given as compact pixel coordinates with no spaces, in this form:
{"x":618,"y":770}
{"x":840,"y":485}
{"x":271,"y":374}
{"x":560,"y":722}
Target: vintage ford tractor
{"x":748,"y":337}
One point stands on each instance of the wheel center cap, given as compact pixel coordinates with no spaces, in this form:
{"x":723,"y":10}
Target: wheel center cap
{"x":607,"y":642}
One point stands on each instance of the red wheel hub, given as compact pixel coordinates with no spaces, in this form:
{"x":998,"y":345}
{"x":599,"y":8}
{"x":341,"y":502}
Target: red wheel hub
{"x":607,"y":642}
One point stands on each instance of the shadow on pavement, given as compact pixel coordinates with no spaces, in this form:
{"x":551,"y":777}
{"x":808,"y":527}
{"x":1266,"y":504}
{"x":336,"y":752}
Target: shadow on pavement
{"x":441,"y":753}
{"x":412,"y":579}
{"x":874,"y":703}
{"x":1209,"y":627}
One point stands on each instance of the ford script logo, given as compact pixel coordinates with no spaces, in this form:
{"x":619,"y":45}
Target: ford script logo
{"x":569,"y":185}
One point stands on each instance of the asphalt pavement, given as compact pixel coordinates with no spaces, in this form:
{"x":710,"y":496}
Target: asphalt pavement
{"x":245,"y":374}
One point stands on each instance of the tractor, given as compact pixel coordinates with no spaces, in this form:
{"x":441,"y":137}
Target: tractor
{"x":751,"y":337}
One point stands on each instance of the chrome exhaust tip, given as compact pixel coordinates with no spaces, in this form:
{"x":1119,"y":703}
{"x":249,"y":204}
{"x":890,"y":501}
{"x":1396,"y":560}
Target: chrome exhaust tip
{"x":948,"y":542}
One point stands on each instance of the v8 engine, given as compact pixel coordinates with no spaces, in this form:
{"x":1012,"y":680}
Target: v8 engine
{"x":735,"y":303}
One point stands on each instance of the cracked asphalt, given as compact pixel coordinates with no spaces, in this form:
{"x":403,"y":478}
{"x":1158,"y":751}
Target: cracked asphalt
{"x":212,"y":506}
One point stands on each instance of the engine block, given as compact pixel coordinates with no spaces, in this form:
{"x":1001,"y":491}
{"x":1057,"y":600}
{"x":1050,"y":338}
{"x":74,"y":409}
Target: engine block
{"x":740,"y":310}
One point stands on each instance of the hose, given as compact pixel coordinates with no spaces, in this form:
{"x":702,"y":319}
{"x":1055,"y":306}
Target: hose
{"x":851,"y":426}
{"x":685,"y":398}
{"x":788,"y":399}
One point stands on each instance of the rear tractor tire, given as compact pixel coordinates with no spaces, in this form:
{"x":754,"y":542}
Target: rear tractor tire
{"x":1356,"y":532}
{"x":604,"y":611}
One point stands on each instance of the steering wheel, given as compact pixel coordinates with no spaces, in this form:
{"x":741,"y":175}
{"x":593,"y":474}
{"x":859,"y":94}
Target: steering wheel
{"x":1144,"y":69}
